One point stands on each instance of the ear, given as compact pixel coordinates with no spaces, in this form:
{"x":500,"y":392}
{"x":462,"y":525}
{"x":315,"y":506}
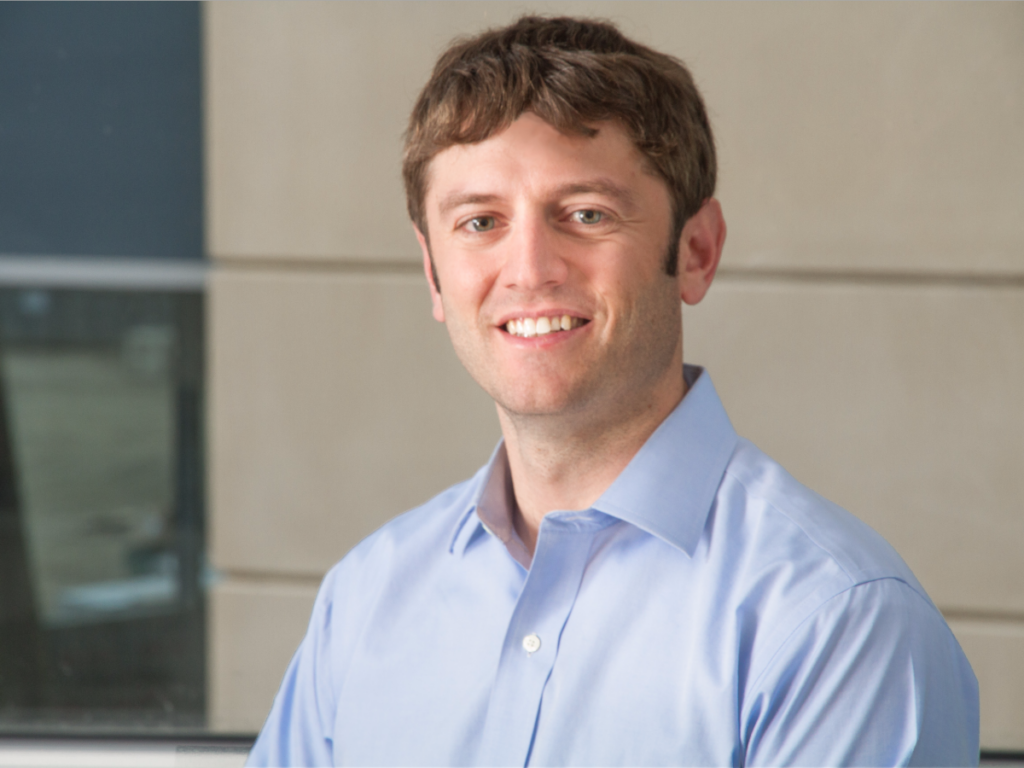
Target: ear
{"x":700,"y":250}
{"x":428,"y":270}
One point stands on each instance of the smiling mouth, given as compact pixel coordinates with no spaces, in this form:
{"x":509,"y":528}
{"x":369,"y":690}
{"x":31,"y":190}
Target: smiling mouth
{"x":528,"y":327}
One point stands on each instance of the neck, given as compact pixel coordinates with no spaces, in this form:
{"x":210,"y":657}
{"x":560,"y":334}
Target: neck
{"x":565,"y":462}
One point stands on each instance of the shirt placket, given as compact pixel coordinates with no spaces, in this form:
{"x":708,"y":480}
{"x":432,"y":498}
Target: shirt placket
{"x":531,"y":643}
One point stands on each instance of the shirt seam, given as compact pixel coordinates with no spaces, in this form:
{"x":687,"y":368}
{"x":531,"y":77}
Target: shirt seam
{"x":854,"y":580}
{"x":817,"y":609}
{"x":729,"y":472}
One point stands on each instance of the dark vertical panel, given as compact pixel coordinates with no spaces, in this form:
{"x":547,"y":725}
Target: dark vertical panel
{"x":189,"y":458}
{"x":19,"y":631}
{"x":100,"y":129}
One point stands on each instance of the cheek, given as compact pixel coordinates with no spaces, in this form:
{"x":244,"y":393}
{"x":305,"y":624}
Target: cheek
{"x":648,"y":301}
{"x":627,"y":278}
{"x":458,"y":304}
{"x":467,"y":286}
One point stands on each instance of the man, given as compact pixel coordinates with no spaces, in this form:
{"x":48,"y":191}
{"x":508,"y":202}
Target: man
{"x":626,"y":581}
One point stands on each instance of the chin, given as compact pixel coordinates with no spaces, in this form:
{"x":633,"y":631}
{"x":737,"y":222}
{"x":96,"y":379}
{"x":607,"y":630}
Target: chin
{"x":545,"y":401}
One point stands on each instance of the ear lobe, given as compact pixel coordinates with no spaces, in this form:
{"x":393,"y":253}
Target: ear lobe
{"x":700,"y":251}
{"x":428,"y":271}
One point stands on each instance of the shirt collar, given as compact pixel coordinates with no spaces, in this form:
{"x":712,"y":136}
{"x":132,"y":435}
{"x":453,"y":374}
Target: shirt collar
{"x":490,"y":484}
{"x":666,"y":489}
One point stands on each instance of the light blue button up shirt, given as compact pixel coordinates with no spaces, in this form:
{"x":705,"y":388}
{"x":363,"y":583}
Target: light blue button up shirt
{"x":707,"y":610}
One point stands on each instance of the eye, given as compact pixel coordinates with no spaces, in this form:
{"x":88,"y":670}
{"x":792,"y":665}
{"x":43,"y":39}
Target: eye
{"x":587,"y":216}
{"x":481,"y":223}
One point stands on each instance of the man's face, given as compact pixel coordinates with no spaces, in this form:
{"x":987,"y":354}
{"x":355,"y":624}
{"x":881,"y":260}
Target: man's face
{"x":533,"y":230}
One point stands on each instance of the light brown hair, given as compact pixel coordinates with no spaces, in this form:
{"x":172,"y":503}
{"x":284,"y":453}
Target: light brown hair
{"x":571,"y":73}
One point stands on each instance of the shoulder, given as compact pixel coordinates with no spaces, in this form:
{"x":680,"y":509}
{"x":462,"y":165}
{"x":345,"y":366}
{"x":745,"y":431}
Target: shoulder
{"x":353,"y":594}
{"x":407,"y":542}
{"x":794,"y":559}
{"x":408,"y":546}
{"x":366,"y":580}
{"x":841,"y":631}
{"x":871,"y":677}
{"x":794,"y":522}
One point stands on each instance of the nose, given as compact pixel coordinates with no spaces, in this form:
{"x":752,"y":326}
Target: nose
{"x":533,"y":261}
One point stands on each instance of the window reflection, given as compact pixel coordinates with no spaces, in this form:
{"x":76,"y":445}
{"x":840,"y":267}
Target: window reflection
{"x":101,"y":530}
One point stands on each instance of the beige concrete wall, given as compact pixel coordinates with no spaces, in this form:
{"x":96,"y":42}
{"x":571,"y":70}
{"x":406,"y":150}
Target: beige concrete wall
{"x":867,"y":327}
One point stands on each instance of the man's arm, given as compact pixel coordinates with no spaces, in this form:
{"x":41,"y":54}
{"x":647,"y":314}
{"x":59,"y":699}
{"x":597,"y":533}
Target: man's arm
{"x":873,"y":677}
{"x":298,"y":729}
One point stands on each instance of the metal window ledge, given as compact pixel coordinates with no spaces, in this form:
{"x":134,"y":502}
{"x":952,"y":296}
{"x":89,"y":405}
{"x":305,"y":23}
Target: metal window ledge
{"x":122,"y":753}
{"x":102,"y":273}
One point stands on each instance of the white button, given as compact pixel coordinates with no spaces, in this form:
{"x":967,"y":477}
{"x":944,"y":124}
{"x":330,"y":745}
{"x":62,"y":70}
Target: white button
{"x":531,"y":643}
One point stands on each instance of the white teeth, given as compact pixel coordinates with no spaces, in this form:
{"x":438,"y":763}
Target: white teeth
{"x":528,"y":327}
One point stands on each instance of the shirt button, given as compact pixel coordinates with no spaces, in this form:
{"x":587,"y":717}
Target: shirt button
{"x":531,"y":643}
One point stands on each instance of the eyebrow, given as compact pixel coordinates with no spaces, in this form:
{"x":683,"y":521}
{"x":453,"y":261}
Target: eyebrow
{"x":605,"y":187}
{"x":601,"y":186}
{"x":457,"y":199}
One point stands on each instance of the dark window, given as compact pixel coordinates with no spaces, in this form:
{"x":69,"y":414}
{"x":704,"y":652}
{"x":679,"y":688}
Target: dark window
{"x":100,"y":129}
{"x":102,"y":607}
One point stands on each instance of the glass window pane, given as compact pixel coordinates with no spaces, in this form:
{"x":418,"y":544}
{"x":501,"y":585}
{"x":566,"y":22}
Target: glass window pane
{"x":101,"y":130}
{"x":102,"y":526}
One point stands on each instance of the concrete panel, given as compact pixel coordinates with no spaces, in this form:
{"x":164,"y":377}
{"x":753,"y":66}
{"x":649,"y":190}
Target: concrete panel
{"x":889,"y":133}
{"x":870,"y":137}
{"x":254,"y":629}
{"x":996,"y":651}
{"x":336,"y":403}
{"x":902,"y":403}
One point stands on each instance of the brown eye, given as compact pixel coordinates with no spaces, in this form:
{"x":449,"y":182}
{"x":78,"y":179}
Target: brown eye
{"x":588,"y":217}
{"x":481,"y":223}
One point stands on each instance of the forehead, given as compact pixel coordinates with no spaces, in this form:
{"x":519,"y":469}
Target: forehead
{"x":531,"y":157}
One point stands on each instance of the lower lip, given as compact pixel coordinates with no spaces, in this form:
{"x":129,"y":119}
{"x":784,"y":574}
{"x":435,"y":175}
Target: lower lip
{"x":547,"y":340}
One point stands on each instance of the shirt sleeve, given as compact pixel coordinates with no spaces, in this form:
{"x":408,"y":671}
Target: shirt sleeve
{"x":298,"y":730}
{"x":873,"y":677}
